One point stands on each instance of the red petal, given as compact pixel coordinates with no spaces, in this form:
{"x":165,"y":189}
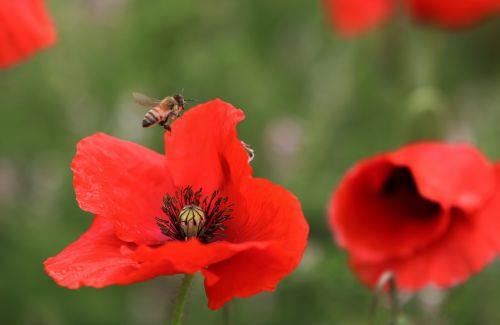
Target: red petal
{"x":123,"y":182}
{"x":98,"y":258}
{"x":246,"y":274}
{"x":187,"y":256}
{"x":269,"y":214}
{"x":352,"y":17}
{"x":469,"y":245}
{"x":25,"y":28}
{"x":453,"y":13}
{"x":203,"y":149}
{"x":94,"y":260}
{"x":375,"y":227}
{"x":451,"y":174}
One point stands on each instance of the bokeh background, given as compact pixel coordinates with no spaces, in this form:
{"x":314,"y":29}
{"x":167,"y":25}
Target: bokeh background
{"x":315,"y":104}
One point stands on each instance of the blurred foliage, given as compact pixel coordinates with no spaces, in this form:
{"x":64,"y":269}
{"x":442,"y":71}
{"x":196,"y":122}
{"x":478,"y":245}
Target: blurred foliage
{"x":314,"y":103}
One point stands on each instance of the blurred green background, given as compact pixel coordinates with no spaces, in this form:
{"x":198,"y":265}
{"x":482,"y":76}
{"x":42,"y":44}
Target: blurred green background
{"x":315,"y":104}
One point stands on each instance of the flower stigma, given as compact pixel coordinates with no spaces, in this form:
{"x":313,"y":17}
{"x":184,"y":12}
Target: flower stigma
{"x":190,"y":214}
{"x":191,"y":220}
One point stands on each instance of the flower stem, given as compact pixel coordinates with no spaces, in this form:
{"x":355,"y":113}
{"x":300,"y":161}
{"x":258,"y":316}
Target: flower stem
{"x":386,"y":280}
{"x":225,"y":314}
{"x":180,"y":301}
{"x":393,"y":293}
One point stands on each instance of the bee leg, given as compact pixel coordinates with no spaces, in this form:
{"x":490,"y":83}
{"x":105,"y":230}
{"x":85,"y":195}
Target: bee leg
{"x":164,"y":121}
{"x":165,"y":125}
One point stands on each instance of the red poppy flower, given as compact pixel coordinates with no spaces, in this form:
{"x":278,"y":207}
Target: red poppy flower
{"x":352,"y":17}
{"x":452,"y":13}
{"x":197,"y":208}
{"x":25,"y":28}
{"x":429,"y":212}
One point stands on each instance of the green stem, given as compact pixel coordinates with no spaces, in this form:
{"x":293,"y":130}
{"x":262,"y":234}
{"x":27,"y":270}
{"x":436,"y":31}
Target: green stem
{"x":180,"y":301}
{"x":393,"y":292}
{"x":225,"y":315}
{"x":386,"y":280}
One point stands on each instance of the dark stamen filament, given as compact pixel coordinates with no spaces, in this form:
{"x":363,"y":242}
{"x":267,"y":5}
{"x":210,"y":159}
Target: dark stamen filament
{"x":210,"y":214}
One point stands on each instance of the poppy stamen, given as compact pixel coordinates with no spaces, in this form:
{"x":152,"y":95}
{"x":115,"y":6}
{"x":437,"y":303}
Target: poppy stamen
{"x":193,"y":215}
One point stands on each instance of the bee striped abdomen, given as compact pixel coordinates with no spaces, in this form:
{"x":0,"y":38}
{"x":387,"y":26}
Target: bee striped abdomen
{"x":151,"y":118}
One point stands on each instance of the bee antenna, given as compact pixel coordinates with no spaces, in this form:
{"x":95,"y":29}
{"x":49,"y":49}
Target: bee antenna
{"x":190,"y":100}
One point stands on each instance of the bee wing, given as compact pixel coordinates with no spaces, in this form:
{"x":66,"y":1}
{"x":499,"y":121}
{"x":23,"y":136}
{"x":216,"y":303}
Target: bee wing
{"x":144,"y":100}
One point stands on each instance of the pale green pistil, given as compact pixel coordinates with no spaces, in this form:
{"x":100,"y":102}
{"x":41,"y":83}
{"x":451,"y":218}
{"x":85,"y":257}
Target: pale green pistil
{"x":191,"y":220}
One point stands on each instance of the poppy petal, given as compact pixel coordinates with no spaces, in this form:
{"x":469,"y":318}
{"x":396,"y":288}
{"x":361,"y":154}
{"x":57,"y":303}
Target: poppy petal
{"x":258,"y":270}
{"x":471,"y":242}
{"x":352,"y":17}
{"x":207,"y":155}
{"x":452,"y":13}
{"x":451,"y":174}
{"x":270,"y":214}
{"x":94,"y":259}
{"x":98,"y":258}
{"x":122,"y":181}
{"x":25,"y":28}
{"x":189,"y":257}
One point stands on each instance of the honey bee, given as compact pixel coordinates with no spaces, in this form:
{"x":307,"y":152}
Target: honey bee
{"x":163,"y":112}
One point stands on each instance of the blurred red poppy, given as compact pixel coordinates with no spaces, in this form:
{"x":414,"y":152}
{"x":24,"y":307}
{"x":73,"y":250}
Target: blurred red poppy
{"x":352,"y":17}
{"x":25,"y":28}
{"x":452,"y":13}
{"x":429,"y":212}
{"x":197,"y":208}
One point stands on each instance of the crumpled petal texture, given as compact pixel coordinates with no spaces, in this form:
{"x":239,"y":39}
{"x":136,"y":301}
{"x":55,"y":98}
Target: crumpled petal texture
{"x":427,"y":212}
{"x":25,"y":28}
{"x":204,"y":149}
{"x":95,"y":259}
{"x":123,"y":184}
{"x":115,"y":179}
{"x":281,"y":225}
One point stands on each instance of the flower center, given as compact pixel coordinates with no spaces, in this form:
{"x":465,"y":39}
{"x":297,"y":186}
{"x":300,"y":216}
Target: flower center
{"x":191,"y":220}
{"x":190,"y":214}
{"x":401,"y":190}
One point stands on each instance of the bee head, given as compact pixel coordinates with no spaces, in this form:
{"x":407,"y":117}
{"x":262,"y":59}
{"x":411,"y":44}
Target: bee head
{"x":180,"y":100}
